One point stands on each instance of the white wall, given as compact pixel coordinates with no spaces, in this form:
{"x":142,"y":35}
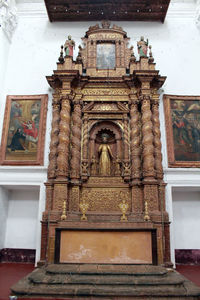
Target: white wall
{"x":22,"y":219}
{"x":4,"y":195}
{"x":33,"y":54}
{"x":186,"y":210}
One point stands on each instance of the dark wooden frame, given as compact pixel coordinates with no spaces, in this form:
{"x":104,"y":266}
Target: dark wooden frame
{"x":172,"y":162}
{"x":41,"y":134}
{"x":153,"y":240}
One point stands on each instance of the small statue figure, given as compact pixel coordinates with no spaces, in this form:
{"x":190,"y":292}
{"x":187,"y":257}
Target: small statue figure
{"x":142,"y":47}
{"x":105,"y":156}
{"x":93,"y":165}
{"x":123,"y":207}
{"x":68,"y":46}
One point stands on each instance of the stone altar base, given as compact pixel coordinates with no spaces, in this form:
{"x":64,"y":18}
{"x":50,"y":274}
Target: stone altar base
{"x":106,"y":281}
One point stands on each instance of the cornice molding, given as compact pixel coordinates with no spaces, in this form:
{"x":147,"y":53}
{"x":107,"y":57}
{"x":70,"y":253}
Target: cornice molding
{"x":182,"y":9}
{"x":8,"y":17}
{"x":32,"y":10}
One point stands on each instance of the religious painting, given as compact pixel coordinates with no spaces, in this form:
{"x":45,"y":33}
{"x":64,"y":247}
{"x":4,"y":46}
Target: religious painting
{"x":24,"y":130}
{"x":182,"y":116}
{"x":105,"y":56}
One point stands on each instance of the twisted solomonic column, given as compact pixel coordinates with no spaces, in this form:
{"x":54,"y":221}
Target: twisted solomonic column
{"x":76,"y":140}
{"x":64,"y":139}
{"x":85,"y":137}
{"x":126,"y":139}
{"x":156,"y":133}
{"x":135,"y":141}
{"x":54,"y":135}
{"x":147,"y":140}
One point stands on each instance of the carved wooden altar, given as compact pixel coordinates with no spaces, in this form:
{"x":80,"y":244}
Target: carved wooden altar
{"x":114,"y":111}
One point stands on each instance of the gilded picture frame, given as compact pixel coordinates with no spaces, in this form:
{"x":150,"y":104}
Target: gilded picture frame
{"x":182,"y":120}
{"x":24,"y":128}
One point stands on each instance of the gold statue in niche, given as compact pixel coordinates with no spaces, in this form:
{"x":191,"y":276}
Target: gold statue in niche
{"x":105,"y":156}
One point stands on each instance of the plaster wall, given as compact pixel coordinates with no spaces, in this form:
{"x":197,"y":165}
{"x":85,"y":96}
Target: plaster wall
{"x":186,"y":208}
{"x":4,"y":194}
{"x":21,"y":222}
{"x":33,"y":54}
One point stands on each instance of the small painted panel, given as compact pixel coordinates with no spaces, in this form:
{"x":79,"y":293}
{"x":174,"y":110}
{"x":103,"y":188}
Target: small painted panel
{"x":106,"y":56}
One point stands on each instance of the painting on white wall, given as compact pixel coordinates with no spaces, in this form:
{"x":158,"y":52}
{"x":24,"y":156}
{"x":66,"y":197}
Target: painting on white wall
{"x":24,"y":130}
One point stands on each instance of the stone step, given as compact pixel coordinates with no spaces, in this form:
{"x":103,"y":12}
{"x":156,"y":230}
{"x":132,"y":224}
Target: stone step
{"x":137,"y":270}
{"x":38,"y":277}
{"x":68,"y":281}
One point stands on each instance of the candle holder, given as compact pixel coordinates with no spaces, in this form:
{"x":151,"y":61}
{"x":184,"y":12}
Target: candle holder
{"x":123,"y":207}
{"x":84,"y":207}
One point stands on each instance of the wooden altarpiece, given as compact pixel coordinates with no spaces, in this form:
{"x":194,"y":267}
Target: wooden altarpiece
{"x":105,"y":148}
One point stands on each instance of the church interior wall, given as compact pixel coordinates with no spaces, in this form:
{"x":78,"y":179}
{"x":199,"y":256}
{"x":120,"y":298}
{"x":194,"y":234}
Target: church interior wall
{"x":32,"y":54}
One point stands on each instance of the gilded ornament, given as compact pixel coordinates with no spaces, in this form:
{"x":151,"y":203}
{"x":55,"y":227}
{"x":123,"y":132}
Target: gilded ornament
{"x":123,"y":207}
{"x":84,"y":207}
{"x":146,"y":213}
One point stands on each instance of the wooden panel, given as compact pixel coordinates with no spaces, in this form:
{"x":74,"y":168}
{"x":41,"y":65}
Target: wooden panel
{"x":93,"y":10}
{"x":106,"y":247}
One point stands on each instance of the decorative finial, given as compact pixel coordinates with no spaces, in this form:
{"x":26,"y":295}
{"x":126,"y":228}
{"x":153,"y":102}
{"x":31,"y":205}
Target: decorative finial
{"x":151,"y":59}
{"x":146,"y":213}
{"x":61,"y":58}
{"x":84,"y":207}
{"x":123,"y":207}
{"x":105,"y":24}
{"x":133,"y":58}
{"x":64,"y":216}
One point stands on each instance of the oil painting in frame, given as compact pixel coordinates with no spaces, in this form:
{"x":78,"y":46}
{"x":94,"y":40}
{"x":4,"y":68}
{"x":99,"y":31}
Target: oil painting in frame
{"x":182,"y":118}
{"x":24,"y":130}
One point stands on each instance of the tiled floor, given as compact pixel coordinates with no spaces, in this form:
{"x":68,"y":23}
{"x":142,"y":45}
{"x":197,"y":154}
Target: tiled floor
{"x":10,"y":273}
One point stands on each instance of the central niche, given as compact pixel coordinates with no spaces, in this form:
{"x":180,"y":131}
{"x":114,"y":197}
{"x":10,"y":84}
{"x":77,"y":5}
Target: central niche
{"x":105,"y":150}
{"x":105,"y":55}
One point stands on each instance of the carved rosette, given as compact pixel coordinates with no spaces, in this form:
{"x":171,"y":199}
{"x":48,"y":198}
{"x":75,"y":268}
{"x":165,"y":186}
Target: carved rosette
{"x":156,"y":133}
{"x":64,"y":138}
{"x":135,"y":141}
{"x":76,"y":140}
{"x":54,"y":135}
{"x":147,"y":140}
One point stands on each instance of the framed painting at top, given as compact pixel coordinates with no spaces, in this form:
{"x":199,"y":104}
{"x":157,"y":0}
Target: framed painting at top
{"x":182,"y":118}
{"x":24,"y":129}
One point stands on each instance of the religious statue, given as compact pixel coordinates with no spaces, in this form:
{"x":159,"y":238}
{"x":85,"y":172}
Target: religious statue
{"x":93,"y":165}
{"x":142,"y":47}
{"x":68,"y":46}
{"x":105,"y":156}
